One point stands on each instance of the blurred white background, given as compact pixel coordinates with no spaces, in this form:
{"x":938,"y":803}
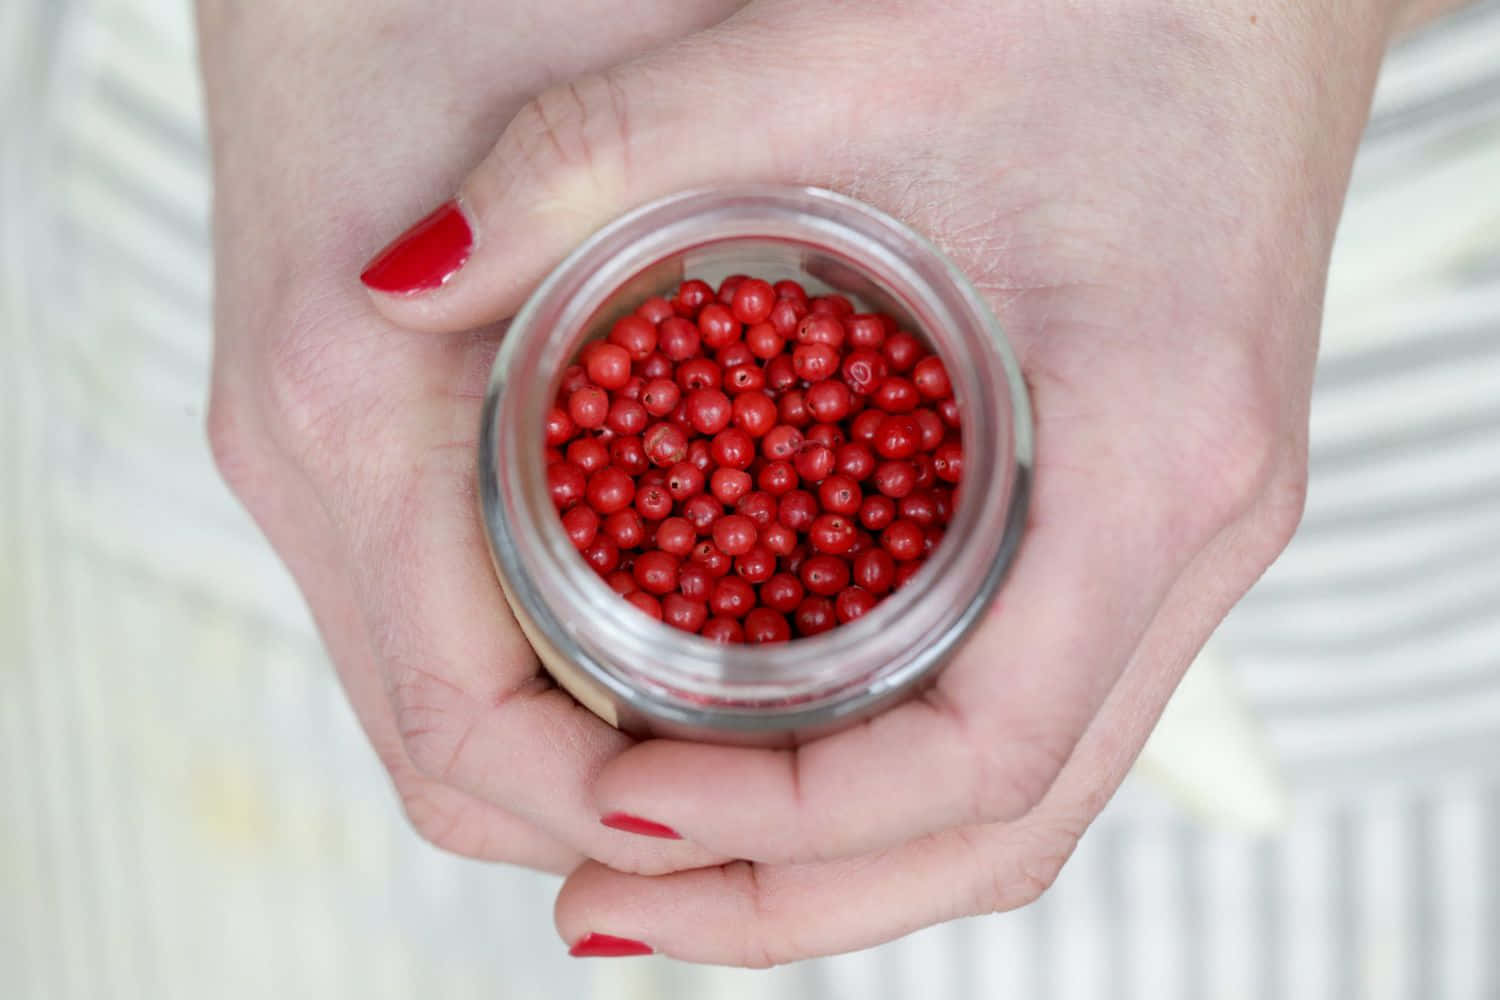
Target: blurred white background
{"x":187,"y":807}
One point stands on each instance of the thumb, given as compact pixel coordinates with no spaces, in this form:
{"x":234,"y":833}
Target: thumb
{"x":708,"y":110}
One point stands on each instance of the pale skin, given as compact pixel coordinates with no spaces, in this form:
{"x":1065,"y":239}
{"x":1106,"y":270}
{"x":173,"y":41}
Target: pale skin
{"x":1146,"y":192}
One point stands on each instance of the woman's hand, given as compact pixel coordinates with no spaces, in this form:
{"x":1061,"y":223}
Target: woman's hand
{"x":1147,"y":193}
{"x":352,"y":441}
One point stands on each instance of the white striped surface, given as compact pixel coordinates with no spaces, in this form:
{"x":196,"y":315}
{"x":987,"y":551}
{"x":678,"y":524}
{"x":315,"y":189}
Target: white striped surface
{"x":188,"y":807}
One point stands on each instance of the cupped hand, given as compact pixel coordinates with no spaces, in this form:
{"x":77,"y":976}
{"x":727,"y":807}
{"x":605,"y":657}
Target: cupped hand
{"x":350,"y":440}
{"x":1146,"y":192}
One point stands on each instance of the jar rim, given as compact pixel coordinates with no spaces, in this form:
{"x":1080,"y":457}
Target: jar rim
{"x":660,"y":673}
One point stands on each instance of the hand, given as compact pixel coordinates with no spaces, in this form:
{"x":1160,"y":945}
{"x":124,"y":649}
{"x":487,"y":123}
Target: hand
{"x":352,"y":441}
{"x":1147,"y":194}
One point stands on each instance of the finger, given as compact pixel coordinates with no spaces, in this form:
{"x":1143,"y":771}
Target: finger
{"x":756,"y":914}
{"x":472,"y":708}
{"x":986,"y":743}
{"x":296,"y":524}
{"x":729,"y":104}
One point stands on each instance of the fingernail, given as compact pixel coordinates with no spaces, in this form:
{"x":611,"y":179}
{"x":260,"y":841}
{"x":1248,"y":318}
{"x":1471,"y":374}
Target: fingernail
{"x":635,"y":824}
{"x":608,"y":946}
{"x":423,"y":257}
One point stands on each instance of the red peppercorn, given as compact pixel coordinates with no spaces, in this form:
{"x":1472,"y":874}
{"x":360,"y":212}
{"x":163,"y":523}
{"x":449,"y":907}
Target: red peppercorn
{"x":947,"y":409}
{"x":573,"y":379}
{"x":653,"y":311}
{"x":626,"y":416}
{"x":736,"y":355}
{"x":830,"y":436}
{"x":660,"y":397}
{"x":656,"y":572}
{"x":811,"y":362}
{"x":895,"y":479}
{"x":782,"y":592}
{"x":675,"y":536}
{"x":718,"y":326}
{"x":708,"y":410}
{"x":877,"y":512}
{"x":754,"y":413}
{"x":683,"y":613}
{"x":831,"y":533}
{"x":609,"y":489}
{"x":759,"y":507}
{"x":828,"y":401}
{"x":902,"y":351}
{"x":898,"y":437}
{"x":777,"y":538}
{"x":588,"y":406}
{"x":875,"y":571}
{"x":780,"y":374}
{"x":922,"y":475}
{"x":727,"y":287}
{"x":732,"y":447}
{"x":865,"y":425}
{"x":693,"y":295}
{"x":694,"y":581}
{"x":757,"y":565}
{"x":636,"y":333}
{"x":764,"y":341}
{"x":821,"y":328}
{"x":678,"y":339}
{"x":833,"y":304}
{"x":903,"y":540}
{"x":814,"y":615}
{"x":625,"y":528}
{"x":825,"y":574}
{"x":753,"y":299}
{"x":762,"y":625}
{"x":776,"y":478}
{"x":865,"y":331}
{"x":608,"y":365}
{"x":728,"y":485}
{"x":559,"y":427}
{"x":931,"y":424}
{"x":629,"y":454}
{"x":732,"y":597}
{"x":905,"y":572}
{"x":852,"y":603}
{"x":896,"y":395}
{"x":839,"y":494}
{"x":699,"y":373}
{"x":603,"y":555}
{"x":566,"y":483}
{"x":813,"y":463}
{"x":744,"y":378}
{"x":654,"y":367}
{"x":698,"y":455}
{"x":620,"y":581}
{"x":707,"y":555}
{"x":854,"y":459}
{"x":863,"y":370}
{"x":797,"y":510}
{"x":920,"y":508}
{"x":948,"y":462}
{"x":723,"y":630}
{"x":791,"y":406}
{"x":653,"y":502}
{"x":683,"y":479}
{"x":781,"y":443}
{"x":701,"y":510}
{"x":786,"y":314}
{"x":931,"y":378}
{"x":735,"y":534}
{"x":645,"y":602}
{"x":588,"y":453}
{"x":581,"y":524}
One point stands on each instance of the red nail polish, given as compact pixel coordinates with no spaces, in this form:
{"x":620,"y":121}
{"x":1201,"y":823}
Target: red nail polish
{"x":635,"y":824}
{"x":423,"y":257}
{"x":608,"y":946}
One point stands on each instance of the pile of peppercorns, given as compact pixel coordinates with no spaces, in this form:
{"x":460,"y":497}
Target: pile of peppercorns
{"x":755,"y":464}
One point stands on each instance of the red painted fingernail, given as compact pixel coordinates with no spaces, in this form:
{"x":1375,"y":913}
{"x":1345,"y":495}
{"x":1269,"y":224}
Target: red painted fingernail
{"x":635,"y":824}
{"x":423,"y":257}
{"x":608,"y":946}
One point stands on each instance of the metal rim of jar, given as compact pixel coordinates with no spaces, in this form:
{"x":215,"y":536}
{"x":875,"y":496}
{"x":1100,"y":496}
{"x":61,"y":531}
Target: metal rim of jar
{"x":563,"y":605}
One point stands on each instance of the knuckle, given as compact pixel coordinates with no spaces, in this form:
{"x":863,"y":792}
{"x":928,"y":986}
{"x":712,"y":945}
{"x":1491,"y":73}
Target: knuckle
{"x":433,"y":720}
{"x":762,"y":947}
{"x":569,"y":138}
{"x":232,"y":442}
{"x":1020,"y":867}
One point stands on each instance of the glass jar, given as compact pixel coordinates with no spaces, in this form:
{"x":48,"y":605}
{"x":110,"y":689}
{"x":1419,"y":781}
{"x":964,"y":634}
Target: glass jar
{"x":646,"y":677}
